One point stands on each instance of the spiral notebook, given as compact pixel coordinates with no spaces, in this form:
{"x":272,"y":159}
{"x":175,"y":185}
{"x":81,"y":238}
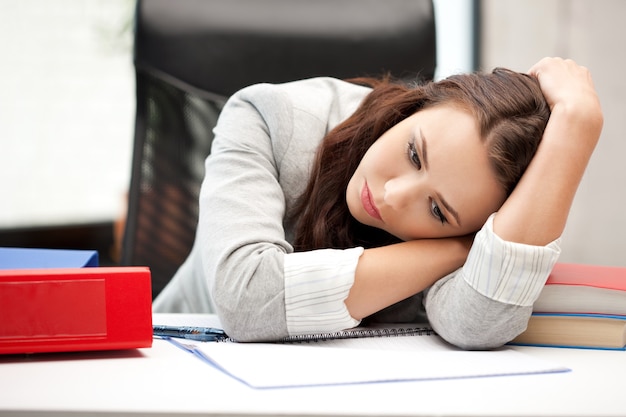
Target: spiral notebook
{"x":385,"y":353}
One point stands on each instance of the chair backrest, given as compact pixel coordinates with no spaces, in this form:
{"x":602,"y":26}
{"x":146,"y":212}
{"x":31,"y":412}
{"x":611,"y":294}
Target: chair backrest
{"x":191,"y":55}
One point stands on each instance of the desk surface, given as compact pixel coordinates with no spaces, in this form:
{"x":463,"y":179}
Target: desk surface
{"x":166,"y":380}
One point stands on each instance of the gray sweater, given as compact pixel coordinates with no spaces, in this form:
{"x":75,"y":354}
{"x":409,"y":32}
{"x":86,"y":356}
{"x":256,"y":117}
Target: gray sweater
{"x":242,"y":265}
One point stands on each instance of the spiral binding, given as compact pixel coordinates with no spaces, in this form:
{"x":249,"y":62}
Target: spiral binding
{"x":359,"y":333}
{"x":352,"y":334}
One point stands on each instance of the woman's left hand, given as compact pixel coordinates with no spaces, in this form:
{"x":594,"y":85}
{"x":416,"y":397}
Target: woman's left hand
{"x":536,"y":212}
{"x":567,"y":85}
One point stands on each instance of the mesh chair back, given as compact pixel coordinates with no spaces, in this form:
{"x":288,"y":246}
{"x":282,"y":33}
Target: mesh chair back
{"x":190,"y":55}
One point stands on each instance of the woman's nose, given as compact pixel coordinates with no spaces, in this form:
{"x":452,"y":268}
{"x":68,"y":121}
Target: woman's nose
{"x":401,"y":192}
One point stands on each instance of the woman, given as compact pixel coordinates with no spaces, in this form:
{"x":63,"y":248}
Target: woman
{"x":326,"y":202}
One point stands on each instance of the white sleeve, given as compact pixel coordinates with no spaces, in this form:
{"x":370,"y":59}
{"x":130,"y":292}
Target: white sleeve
{"x":316,"y":286}
{"x":508,"y":272}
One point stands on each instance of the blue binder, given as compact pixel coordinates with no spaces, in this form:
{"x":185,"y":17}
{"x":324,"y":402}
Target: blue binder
{"x":27,"y":258}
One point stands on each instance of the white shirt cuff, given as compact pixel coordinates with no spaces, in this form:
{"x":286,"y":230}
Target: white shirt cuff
{"x":316,"y":286}
{"x":509,"y":272}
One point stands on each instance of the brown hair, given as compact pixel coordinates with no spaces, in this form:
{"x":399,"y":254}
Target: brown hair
{"x":511,"y":113}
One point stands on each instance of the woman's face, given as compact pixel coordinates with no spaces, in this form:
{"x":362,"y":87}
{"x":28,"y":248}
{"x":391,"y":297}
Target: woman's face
{"x":426,"y":177}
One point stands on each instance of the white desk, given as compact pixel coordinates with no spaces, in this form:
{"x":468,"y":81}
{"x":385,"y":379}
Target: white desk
{"x":165,"y":380}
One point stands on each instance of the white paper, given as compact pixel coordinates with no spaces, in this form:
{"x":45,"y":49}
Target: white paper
{"x":264,"y":365}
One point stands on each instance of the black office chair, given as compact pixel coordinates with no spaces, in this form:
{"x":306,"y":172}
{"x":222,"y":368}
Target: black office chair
{"x":190,"y":55}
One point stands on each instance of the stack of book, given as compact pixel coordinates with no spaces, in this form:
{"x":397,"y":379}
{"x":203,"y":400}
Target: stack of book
{"x":581,"y":306}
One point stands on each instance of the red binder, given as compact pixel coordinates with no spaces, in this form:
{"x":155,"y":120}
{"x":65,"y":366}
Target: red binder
{"x":75,"y":309}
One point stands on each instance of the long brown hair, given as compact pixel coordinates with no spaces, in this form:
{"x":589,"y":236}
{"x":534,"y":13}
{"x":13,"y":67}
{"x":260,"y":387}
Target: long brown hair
{"x":511,"y":113}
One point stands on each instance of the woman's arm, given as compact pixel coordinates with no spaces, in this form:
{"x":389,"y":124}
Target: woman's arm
{"x":244,"y":263}
{"x":489,"y":301}
{"x":386,"y":275}
{"x":537,"y":210}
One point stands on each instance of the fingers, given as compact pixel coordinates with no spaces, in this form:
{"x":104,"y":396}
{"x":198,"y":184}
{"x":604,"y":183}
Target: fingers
{"x":554,"y":62}
{"x":563,"y":80}
{"x":568,"y":85}
{"x":560,"y":67}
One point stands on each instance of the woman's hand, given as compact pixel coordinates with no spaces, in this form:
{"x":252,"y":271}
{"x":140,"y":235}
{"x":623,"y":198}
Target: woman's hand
{"x":537,"y":210}
{"x":569,"y":85}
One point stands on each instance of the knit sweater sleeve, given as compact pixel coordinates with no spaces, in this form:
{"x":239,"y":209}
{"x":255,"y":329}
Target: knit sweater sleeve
{"x":488,"y":301}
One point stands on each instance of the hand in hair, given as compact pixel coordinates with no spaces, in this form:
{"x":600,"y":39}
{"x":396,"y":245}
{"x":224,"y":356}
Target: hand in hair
{"x":563,"y":82}
{"x":537,"y":210}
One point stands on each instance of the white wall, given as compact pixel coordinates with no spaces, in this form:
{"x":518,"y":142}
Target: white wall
{"x":66,"y":110}
{"x":519,"y":33}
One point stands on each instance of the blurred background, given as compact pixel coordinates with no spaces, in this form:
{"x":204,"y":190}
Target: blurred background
{"x":67,"y":110}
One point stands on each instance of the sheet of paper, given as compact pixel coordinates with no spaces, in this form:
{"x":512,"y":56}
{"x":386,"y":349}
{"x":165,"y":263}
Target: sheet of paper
{"x":262,"y":365}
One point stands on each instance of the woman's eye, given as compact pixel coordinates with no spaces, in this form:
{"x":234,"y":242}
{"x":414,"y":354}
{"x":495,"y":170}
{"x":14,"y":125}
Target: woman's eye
{"x":436,"y":211}
{"x":413,"y":156}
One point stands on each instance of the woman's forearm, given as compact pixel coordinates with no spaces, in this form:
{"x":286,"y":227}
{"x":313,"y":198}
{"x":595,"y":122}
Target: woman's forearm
{"x":537,"y":210}
{"x":392,"y":273}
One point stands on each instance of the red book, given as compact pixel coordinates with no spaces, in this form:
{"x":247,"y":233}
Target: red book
{"x":584,"y":289}
{"x":75,"y":309}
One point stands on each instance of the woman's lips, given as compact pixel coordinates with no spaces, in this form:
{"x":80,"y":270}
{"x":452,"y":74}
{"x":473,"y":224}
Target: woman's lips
{"x":368,"y":203}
